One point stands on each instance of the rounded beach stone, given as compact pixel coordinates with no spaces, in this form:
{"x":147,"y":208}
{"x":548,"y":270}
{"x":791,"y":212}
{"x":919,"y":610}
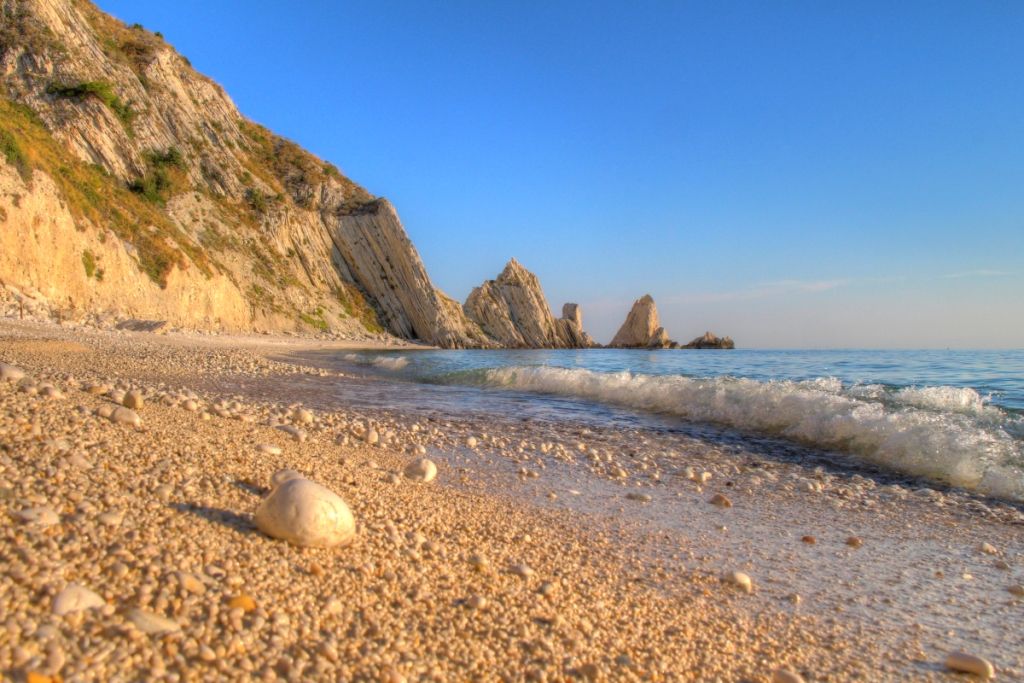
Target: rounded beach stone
{"x":421,"y":469}
{"x":133,"y":399}
{"x":786,"y":676}
{"x":307,"y":515}
{"x":269,"y":449}
{"x":281,"y":476}
{"x":11,"y":373}
{"x":294,"y":432}
{"x":971,"y":664}
{"x":740,"y":580}
{"x":147,"y":622}
{"x":124,"y":415}
{"x":75,"y":598}
{"x":721,"y":501}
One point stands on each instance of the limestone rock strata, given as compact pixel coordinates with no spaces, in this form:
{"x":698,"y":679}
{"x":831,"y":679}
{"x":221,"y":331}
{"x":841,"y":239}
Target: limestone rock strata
{"x":513,"y":312}
{"x":641,"y":329}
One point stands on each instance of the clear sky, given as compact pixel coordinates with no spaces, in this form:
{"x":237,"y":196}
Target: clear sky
{"x":790,"y":174}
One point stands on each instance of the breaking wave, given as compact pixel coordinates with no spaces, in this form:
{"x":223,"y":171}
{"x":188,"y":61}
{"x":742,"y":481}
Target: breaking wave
{"x":390,"y":362}
{"x":947,"y":434}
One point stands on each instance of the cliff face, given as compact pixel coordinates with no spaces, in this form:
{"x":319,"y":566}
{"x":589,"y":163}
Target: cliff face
{"x":513,"y":312}
{"x":163,"y":201}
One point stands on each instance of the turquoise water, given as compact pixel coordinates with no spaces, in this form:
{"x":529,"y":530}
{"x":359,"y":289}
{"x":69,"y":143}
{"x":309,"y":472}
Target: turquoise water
{"x":951,"y":416}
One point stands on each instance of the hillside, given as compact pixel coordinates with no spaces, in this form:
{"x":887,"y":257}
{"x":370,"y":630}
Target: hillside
{"x":132,"y":184}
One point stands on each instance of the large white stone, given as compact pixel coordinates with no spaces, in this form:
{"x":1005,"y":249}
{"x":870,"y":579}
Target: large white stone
{"x":421,"y":469}
{"x":11,"y":373}
{"x":306,"y":514}
{"x":124,"y":415}
{"x":75,"y":598}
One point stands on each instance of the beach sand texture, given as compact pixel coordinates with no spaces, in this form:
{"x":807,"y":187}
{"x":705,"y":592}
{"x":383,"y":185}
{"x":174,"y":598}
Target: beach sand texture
{"x":541,"y":551}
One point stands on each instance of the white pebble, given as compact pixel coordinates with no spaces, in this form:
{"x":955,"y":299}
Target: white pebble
{"x":269,"y":449}
{"x":122,"y":415}
{"x":39,"y":516}
{"x":75,"y":598}
{"x":972,"y":664}
{"x":306,"y":514}
{"x":786,"y":676}
{"x":421,"y":469}
{"x":147,"y":622}
{"x":740,"y":580}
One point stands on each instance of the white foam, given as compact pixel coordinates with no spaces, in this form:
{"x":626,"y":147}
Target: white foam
{"x":390,"y":363}
{"x":350,"y":356}
{"x":942,"y":433}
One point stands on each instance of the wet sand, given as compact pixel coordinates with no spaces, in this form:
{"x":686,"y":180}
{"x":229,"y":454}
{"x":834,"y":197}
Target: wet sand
{"x":625,"y":552}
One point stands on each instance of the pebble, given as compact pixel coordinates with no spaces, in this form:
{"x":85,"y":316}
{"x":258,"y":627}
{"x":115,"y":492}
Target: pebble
{"x":971,"y":664}
{"x":521,"y":570}
{"x":854,"y":542}
{"x":1002,"y":564}
{"x":721,"y":501}
{"x":479,"y":562}
{"x":191,"y":583}
{"x":269,"y":449}
{"x":740,"y":580}
{"x":150,"y":623}
{"x":75,"y":598}
{"x":302,"y":417}
{"x":786,"y":676}
{"x":471,"y":442}
{"x":133,"y":399}
{"x":38,"y":516}
{"x":306,"y":514}
{"x":477,"y":602}
{"x":703,"y":477}
{"x":1017,"y":590}
{"x":421,"y":470}
{"x":10,"y":372}
{"x":122,"y":415}
{"x":372,"y":437}
{"x":109,"y":519}
{"x":243,"y":602}
{"x":281,"y":476}
{"x":590,"y":671}
{"x":293,"y":432}
{"x":190,"y":405}
{"x":642,"y":497}
{"x":810,"y":540}
{"x":988,"y":549}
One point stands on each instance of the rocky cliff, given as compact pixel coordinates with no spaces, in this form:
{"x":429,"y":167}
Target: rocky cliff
{"x":513,"y":312}
{"x":130,"y":183}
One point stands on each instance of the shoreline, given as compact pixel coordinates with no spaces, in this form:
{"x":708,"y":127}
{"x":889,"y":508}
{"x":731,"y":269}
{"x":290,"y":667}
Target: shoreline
{"x":622,"y":587}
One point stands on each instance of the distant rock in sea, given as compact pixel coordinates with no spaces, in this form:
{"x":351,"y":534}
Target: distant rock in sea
{"x":513,"y":313}
{"x":642,"y":331}
{"x":710,"y":341}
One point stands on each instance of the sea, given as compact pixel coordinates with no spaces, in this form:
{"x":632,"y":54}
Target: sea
{"x":951,"y":417}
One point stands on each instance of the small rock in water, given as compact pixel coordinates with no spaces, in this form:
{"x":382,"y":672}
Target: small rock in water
{"x":703,"y":477}
{"x":421,"y":470}
{"x":642,"y":497}
{"x":786,"y":676}
{"x":854,"y":542}
{"x":471,"y":442}
{"x":75,"y":598}
{"x":122,"y":415}
{"x":971,"y":664}
{"x":740,"y":580}
{"x":306,"y":514}
{"x":147,"y":622}
{"x":1017,"y":590}
{"x":133,"y":399}
{"x":39,"y":516}
{"x":269,"y":449}
{"x":988,"y":549}
{"x":1002,"y":564}
{"x":721,"y":501}
{"x":280,"y":477}
{"x":810,"y":540}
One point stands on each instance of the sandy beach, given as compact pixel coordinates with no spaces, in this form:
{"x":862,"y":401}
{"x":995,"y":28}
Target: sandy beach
{"x":541,"y":552}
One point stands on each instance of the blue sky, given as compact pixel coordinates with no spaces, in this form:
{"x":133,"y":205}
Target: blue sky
{"x":790,"y":174}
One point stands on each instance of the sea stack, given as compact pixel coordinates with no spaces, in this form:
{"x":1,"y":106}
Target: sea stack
{"x":641,"y":329}
{"x":513,"y":312}
{"x":710,"y":341}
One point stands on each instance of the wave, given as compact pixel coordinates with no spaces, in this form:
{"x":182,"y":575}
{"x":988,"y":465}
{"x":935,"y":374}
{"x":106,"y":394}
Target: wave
{"x":946,"y":434}
{"x":390,"y":362}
